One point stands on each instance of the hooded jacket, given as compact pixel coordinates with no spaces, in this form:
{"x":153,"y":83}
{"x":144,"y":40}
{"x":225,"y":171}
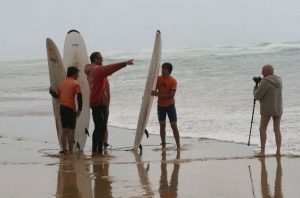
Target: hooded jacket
{"x":269,"y":93}
{"x":95,"y":76}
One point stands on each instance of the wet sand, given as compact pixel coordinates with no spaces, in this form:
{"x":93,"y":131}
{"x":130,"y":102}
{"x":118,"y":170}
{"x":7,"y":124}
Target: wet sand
{"x":31,"y":167}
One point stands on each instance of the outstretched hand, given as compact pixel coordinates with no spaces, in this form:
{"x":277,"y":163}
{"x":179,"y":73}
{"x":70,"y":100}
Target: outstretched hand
{"x":78,"y":113}
{"x":129,"y":62}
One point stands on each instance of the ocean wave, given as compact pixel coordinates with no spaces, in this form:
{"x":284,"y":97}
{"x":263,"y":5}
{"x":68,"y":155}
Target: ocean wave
{"x":26,"y":95}
{"x":233,"y":50}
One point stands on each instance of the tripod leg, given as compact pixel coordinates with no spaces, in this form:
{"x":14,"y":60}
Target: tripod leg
{"x":251,"y":121}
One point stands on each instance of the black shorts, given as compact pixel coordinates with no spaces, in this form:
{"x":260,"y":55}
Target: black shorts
{"x":68,"y":117}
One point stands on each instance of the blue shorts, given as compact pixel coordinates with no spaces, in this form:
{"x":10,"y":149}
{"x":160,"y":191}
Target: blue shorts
{"x":163,"y":111}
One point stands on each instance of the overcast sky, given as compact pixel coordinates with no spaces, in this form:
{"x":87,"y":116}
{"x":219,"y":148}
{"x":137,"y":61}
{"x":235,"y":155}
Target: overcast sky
{"x":118,"y":25}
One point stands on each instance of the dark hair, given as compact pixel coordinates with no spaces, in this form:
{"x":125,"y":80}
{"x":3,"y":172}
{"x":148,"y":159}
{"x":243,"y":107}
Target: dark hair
{"x":93,"y":56}
{"x":169,"y":66}
{"x":72,"y":70}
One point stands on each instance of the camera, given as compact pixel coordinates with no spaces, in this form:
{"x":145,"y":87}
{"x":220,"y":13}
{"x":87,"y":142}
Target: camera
{"x":256,"y":79}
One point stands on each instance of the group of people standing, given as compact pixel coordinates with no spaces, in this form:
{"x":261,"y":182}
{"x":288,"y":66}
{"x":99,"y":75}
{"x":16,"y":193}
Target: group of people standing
{"x":97,"y":76}
{"x":268,"y":91}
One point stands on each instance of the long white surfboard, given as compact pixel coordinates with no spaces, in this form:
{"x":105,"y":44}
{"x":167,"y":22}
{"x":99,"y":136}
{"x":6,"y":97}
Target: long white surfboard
{"x":150,"y":85}
{"x":75,"y":54}
{"x":56,"y":75}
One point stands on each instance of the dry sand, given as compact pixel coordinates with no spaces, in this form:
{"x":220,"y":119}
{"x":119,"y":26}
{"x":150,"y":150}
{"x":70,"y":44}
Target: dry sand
{"x":30,"y":167}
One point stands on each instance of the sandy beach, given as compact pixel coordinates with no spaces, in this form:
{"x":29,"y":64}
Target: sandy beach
{"x":30,"y":167}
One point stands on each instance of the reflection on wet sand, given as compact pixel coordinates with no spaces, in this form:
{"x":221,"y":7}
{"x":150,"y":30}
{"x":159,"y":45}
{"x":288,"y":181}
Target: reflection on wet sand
{"x":167,"y":189}
{"x":265,"y":188}
{"x":143,"y":175}
{"x":73,"y":178}
{"x":102,"y":182}
{"x":66,"y":181}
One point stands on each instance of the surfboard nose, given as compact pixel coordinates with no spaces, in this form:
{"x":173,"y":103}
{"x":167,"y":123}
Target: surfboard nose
{"x":73,"y":30}
{"x":49,"y":41}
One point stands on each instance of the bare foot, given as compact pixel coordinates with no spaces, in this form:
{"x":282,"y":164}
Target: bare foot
{"x":63,"y":152}
{"x":94,"y":154}
{"x":261,"y":154}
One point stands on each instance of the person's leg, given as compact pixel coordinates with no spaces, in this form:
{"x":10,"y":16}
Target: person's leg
{"x":162,"y":131}
{"x":176,"y":134}
{"x":264,"y":121}
{"x":276,"y":126}
{"x":71,"y":130}
{"x":105,"y":138}
{"x":96,"y":118}
{"x":64,"y":122}
{"x":63,"y":140}
{"x":102,"y":128}
{"x":106,"y":131}
{"x":71,"y":140}
{"x":171,"y":111}
{"x":162,"y":114}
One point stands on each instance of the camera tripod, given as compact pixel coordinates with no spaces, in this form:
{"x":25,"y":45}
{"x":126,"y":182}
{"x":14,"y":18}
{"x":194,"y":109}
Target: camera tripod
{"x":254,"y":100}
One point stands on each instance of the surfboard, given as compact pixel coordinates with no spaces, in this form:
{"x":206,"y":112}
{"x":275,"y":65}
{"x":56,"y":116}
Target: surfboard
{"x":56,"y":75}
{"x":75,"y":54}
{"x":147,"y":99}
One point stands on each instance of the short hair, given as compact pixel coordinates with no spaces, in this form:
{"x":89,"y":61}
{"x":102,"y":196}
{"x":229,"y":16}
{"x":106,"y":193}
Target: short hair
{"x":269,"y":69}
{"x":93,"y":56}
{"x":72,"y":70}
{"x":169,"y":66}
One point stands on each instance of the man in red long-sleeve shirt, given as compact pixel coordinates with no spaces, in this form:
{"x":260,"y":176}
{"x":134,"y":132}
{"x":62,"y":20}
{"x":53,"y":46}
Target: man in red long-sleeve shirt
{"x":96,"y":74}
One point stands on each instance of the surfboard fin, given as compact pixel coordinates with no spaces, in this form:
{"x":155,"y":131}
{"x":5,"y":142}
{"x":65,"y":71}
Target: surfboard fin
{"x":146,"y":133}
{"x":87,"y":132}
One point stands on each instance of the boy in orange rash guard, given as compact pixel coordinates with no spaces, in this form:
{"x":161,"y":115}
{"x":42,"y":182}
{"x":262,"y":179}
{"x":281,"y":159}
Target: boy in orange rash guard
{"x":66,"y":92}
{"x":96,"y":74}
{"x":165,"y":91}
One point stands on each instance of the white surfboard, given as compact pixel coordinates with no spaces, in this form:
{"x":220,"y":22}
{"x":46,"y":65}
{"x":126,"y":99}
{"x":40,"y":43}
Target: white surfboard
{"x":56,"y":75}
{"x":75,"y":54}
{"x":150,"y":85}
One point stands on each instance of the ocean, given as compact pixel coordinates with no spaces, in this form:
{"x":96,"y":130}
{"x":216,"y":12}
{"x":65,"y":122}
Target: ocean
{"x":214,"y":96}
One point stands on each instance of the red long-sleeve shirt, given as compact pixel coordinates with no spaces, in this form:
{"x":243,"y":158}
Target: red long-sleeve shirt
{"x":96,"y":75}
